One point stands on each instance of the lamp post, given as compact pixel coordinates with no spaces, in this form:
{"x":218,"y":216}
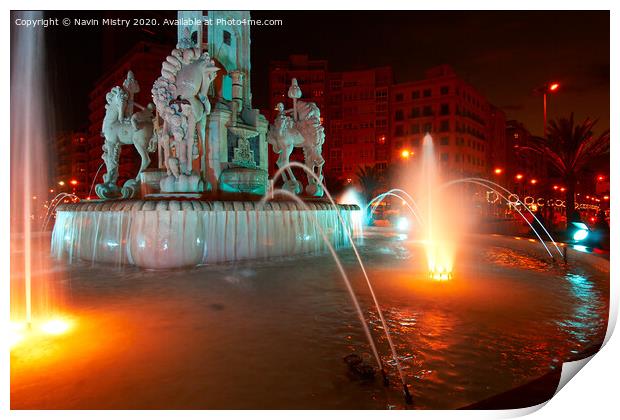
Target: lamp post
{"x":548,"y":88}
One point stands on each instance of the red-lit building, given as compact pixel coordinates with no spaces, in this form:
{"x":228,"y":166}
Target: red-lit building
{"x":525,"y":171}
{"x":357,"y":121}
{"x":468,"y":132}
{"x":144,"y":60}
{"x":354,"y":108}
{"x":369,"y":120}
{"x":72,"y":163}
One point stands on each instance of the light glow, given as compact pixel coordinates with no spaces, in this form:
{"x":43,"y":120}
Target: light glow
{"x":498,"y":171}
{"x":519,"y":176}
{"x":440,"y":275}
{"x":554,"y":86}
{"x":580,"y":235}
{"x":16,"y":333}
{"x":405,"y":154}
{"x":402,"y":224}
{"x":55,"y":326}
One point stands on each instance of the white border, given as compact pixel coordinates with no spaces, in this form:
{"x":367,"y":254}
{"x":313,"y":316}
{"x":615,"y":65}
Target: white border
{"x":592,"y":395}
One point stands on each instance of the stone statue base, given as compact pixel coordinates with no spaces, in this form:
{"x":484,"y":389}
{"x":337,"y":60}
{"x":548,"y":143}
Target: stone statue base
{"x":109,"y":191}
{"x":183,"y":183}
{"x":293,"y":186}
{"x":315,"y":190}
{"x":243,"y":180}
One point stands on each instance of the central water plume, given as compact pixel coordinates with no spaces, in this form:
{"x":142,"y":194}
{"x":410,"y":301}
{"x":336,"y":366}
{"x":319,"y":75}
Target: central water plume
{"x":438,"y":243}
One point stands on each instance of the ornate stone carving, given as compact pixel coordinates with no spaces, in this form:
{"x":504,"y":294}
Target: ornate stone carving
{"x":180,"y":95}
{"x":122,"y":126}
{"x":303,"y":130}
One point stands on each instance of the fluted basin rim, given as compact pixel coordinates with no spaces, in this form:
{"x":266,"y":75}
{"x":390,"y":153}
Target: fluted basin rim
{"x":197,"y":205}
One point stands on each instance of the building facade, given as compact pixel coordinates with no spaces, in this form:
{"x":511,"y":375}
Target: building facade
{"x":525,"y":171}
{"x":72,"y":164}
{"x":468,"y":131}
{"x":354,"y":109}
{"x":357,"y":121}
{"x":370,"y":120}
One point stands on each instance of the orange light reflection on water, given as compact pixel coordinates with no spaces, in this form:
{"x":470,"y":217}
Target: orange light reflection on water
{"x":21,"y":334}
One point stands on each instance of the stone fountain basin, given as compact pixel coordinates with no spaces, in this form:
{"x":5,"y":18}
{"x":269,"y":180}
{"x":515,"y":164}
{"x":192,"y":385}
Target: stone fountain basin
{"x":163,"y":234}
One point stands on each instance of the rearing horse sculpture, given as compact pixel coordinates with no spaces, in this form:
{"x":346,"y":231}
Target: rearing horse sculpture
{"x":180,"y":95}
{"x":306,"y":132}
{"x":122,"y":126}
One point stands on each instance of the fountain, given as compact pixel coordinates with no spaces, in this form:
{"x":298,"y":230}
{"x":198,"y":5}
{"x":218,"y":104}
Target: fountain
{"x":283,"y":325}
{"x":199,"y":205}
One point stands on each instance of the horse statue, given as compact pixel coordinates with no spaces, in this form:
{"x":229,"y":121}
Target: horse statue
{"x":180,"y":96}
{"x":122,"y":126}
{"x":304,"y":131}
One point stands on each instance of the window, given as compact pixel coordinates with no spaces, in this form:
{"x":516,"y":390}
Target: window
{"x":444,"y":141}
{"x":415,"y":128}
{"x":445,"y":109}
{"x":444,"y":90}
{"x":415,"y":112}
{"x":400,"y":115}
{"x":426,"y":93}
{"x":399,"y":131}
{"x":427,"y":111}
{"x":428,"y":127}
{"x":445,"y":157}
{"x":444,"y":125}
{"x":415,"y":94}
{"x":399,"y":97}
{"x":227,"y":37}
{"x":415,"y":142}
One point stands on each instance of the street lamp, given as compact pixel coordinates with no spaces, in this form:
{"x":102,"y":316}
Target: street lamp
{"x":498,"y":171}
{"x":548,"y":88}
{"x":405,"y":153}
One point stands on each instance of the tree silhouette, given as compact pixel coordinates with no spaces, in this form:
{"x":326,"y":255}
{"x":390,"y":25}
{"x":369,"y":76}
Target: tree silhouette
{"x":569,"y":147}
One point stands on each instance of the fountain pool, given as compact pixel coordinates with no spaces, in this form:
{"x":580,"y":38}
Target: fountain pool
{"x":273,"y":333}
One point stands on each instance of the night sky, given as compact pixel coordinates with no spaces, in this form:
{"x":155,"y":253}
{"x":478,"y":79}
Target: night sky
{"x":505,"y":55}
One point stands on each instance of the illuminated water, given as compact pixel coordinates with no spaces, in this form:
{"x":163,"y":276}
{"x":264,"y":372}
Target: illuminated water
{"x":272,"y":334}
{"x":32,"y":298}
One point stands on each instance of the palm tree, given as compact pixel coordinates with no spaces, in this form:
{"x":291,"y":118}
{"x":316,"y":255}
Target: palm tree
{"x":369,"y":179}
{"x":569,"y":147}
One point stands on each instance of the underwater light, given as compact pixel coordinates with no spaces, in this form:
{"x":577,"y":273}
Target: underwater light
{"x":580,"y":235}
{"x":55,"y":326}
{"x":440,"y":275}
{"x":579,"y":231}
{"x":402,"y":224}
